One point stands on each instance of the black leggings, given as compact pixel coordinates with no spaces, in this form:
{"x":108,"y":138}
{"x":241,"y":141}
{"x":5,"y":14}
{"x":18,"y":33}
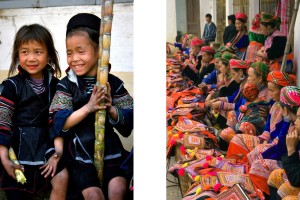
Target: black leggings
{"x":18,"y":195}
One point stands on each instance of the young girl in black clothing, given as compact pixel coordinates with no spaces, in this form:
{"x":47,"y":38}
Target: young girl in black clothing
{"x":24,"y":105}
{"x":73,"y":113}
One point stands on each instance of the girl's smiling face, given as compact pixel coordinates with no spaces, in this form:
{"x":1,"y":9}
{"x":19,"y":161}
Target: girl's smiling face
{"x":33,"y":58}
{"x":82,"y":57}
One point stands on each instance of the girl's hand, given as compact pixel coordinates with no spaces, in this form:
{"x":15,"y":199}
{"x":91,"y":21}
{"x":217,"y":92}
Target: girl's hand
{"x":10,"y":167}
{"x":94,"y":103}
{"x":108,"y":100}
{"x":292,"y":140}
{"x":51,"y":165}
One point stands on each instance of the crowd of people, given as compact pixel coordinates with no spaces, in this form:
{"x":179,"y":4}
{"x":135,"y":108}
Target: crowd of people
{"x":233,"y":116}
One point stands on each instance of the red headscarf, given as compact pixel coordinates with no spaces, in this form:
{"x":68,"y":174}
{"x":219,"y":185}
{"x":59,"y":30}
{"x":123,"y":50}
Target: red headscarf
{"x":281,"y":78}
{"x":240,"y":15}
{"x":250,"y":92}
{"x":207,"y":49}
{"x":197,"y":42}
{"x":238,"y":64}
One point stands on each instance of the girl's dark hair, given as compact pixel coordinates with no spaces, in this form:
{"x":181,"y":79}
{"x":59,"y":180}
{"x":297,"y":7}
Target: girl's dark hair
{"x":241,"y":20}
{"x":34,"y":32}
{"x":92,"y":35}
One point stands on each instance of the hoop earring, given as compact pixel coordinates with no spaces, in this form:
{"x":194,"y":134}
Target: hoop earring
{"x":242,"y":77}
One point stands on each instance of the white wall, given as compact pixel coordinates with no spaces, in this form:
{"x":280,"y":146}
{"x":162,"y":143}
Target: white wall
{"x":181,"y":17}
{"x":56,"y":19}
{"x":171,"y":21}
{"x":206,"y":6}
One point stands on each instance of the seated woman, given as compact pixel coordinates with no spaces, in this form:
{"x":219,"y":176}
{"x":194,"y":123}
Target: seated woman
{"x":257,"y":74}
{"x":226,"y":85}
{"x":207,"y":63}
{"x":256,"y":39}
{"x":285,"y":183}
{"x":262,"y":167}
{"x":238,"y":70}
{"x":274,"y":45}
{"x":209,"y":82}
{"x":249,"y":112}
{"x":241,"y":40}
{"x":192,"y":65}
{"x":252,"y":146}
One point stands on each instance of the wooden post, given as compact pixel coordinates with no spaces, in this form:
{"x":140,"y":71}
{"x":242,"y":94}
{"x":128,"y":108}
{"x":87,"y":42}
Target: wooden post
{"x":102,"y":79}
{"x":289,"y":38}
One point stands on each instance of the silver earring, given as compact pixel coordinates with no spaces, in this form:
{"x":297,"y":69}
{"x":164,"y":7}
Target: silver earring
{"x":242,"y":77}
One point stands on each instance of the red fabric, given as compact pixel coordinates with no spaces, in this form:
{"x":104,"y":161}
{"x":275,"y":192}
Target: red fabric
{"x":235,"y":151}
{"x":207,"y":49}
{"x":238,"y":64}
{"x":197,"y":42}
{"x":241,"y":15}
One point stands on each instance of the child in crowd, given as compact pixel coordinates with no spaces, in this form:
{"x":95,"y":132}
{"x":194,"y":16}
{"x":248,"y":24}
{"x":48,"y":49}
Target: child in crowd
{"x":24,"y":105}
{"x":73,"y":113}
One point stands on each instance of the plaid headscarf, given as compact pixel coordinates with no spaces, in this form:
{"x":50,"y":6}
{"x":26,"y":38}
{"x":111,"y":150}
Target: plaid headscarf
{"x":290,"y":97}
{"x":261,"y":68}
{"x":281,"y":78}
{"x":250,"y":92}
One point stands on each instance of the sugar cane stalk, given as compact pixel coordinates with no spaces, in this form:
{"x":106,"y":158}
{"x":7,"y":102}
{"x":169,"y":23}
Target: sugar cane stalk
{"x":19,"y":174}
{"x":289,"y":38}
{"x":102,"y":79}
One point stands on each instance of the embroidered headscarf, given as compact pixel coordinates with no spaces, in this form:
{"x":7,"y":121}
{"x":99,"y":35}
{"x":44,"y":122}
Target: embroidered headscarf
{"x":267,"y":19}
{"x":281,"y":78}
{"x":261,"y":68}
{"x":207,"y":49}
{"x":238,"y":64}
{"x":250,"y":92}
{"x":226,"y":57}
{"x":218,"y":55}
{"x":197,"y":42}
{"x":241,"y":16}
{"x":290,"y":97}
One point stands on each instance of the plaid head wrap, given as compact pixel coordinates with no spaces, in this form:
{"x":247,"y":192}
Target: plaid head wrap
{"x":281,"y":78}
{"x":290,"y":97}
{"x":250,"y":92}
{"x":261,"y":68}
{"x":238,"y":64}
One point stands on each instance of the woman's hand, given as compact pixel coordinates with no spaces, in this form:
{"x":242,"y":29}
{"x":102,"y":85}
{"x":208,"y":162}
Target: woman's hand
{"x":216,"y":105}
{"x":292,"y":140}
{"x":263,"y":112}
{"x":50,"y":166}
{"x":10,"y":167}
